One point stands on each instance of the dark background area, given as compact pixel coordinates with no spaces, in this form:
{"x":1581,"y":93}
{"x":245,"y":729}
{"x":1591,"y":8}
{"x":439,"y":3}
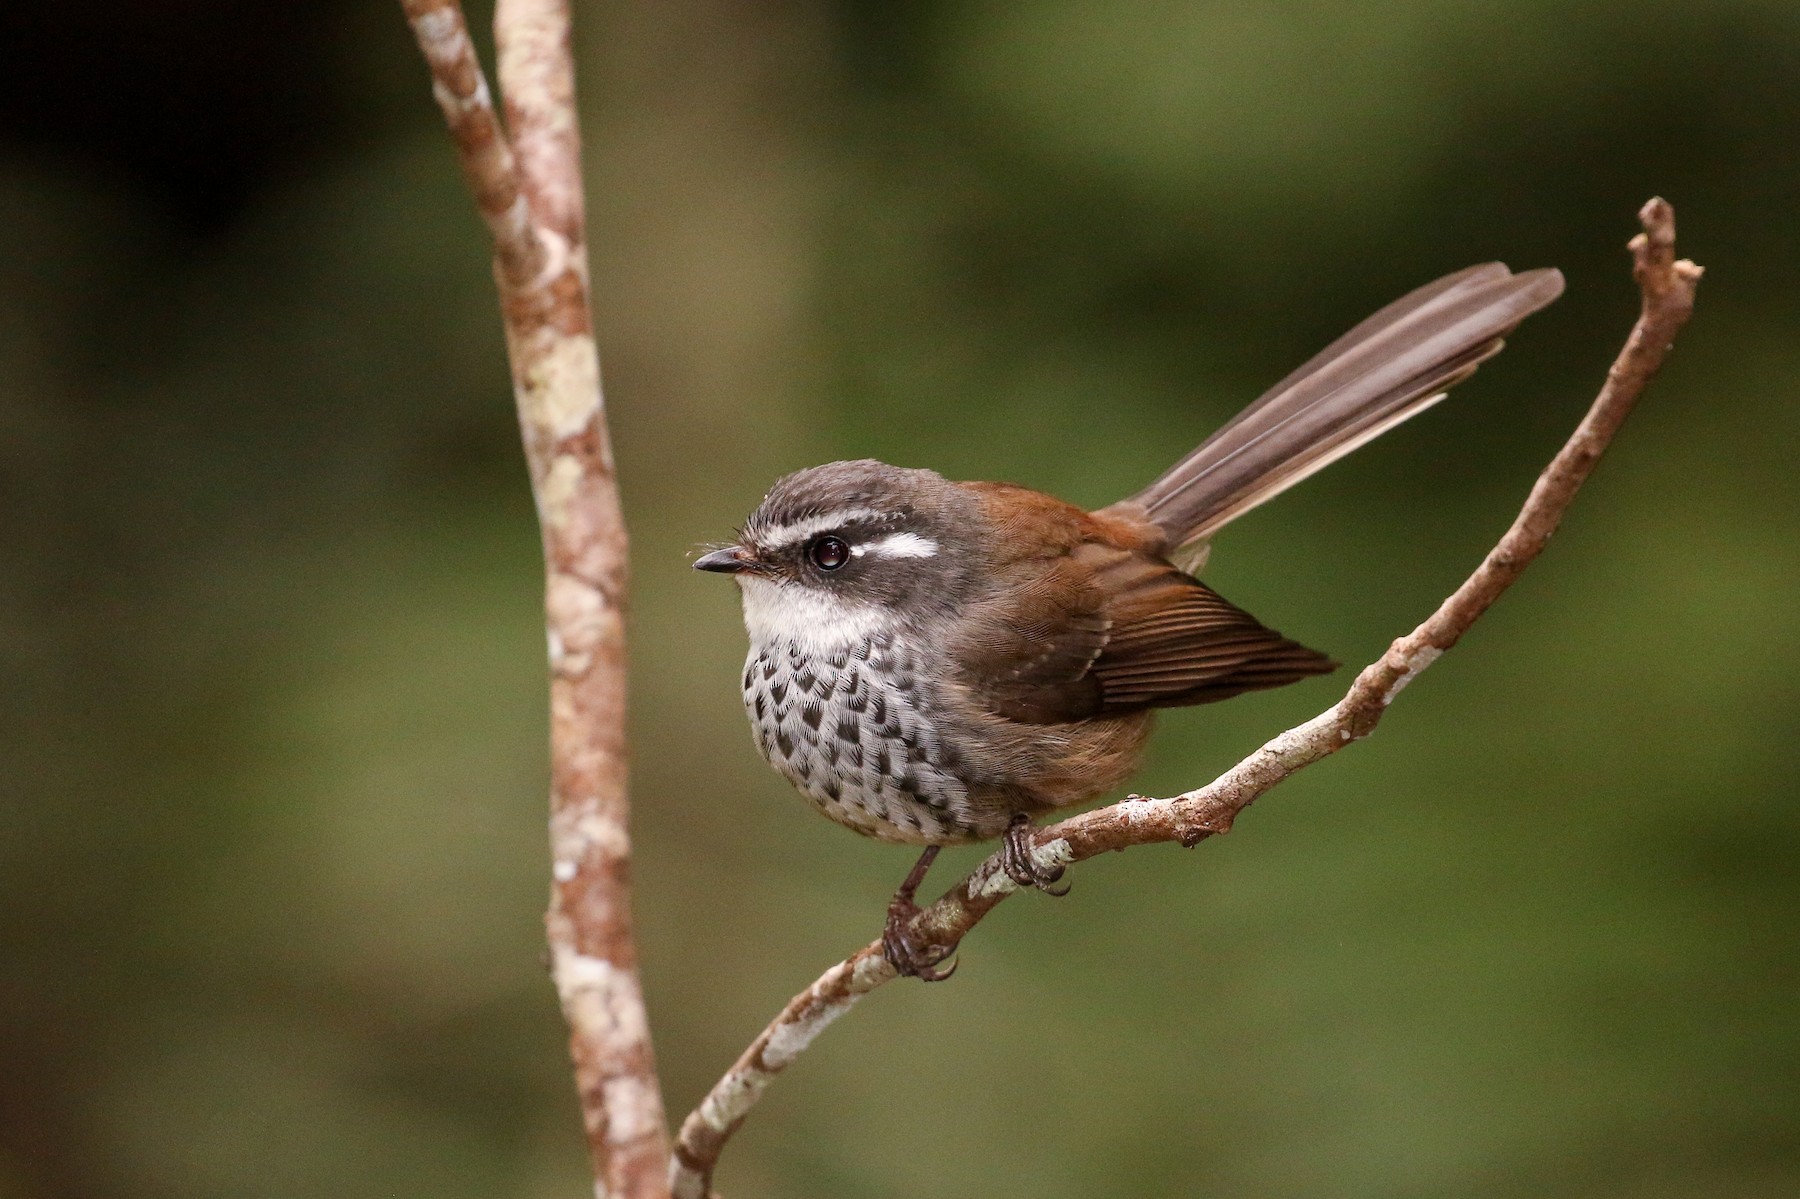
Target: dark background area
{"x":272,"y":857}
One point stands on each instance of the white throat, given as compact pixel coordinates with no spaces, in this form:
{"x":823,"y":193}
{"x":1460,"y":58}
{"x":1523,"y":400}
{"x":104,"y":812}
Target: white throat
{"x":780,"y":612}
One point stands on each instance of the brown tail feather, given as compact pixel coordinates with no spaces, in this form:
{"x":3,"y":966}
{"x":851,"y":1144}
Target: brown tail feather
{"x":1390,"y":367}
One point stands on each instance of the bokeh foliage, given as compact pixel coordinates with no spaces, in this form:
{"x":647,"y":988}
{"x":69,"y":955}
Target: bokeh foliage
{"x":271,"y":778}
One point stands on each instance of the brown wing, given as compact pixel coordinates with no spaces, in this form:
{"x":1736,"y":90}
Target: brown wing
{"x":1174,"y":641}
{"x":1029,"y":650}
{"x":1097,"y":622}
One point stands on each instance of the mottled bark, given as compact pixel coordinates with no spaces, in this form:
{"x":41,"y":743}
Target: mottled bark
{"x":1667,"y":289}
{"x":529,"y":190}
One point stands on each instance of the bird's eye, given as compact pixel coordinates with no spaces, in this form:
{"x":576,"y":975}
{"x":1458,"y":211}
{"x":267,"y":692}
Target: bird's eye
{"x":828,"y":553}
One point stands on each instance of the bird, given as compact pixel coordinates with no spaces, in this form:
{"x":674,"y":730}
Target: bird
{"x":934,"y":662}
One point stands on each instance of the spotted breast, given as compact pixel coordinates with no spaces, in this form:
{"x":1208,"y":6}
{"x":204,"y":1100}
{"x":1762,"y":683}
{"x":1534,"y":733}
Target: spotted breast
{"x":851,"y":724}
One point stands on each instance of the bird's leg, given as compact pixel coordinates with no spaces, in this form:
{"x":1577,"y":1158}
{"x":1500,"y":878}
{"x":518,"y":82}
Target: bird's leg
{"x":1020,"y":866}
{"x":898,"y":944}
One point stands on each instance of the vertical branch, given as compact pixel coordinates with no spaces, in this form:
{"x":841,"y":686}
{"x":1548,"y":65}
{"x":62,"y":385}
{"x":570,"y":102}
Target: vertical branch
{"x":537,"y":81}
{"x":481,"y":148}
{"x":530,"y":194}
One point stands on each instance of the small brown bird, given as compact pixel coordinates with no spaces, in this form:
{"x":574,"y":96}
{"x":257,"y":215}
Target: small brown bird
{"x":935,"y":662}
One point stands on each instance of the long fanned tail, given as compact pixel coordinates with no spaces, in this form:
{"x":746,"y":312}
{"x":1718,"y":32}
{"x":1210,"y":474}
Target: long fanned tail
{"x":1392,"y":366}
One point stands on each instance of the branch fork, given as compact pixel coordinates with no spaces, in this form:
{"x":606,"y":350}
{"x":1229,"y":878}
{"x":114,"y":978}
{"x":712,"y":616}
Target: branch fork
{"x":525,"y":175}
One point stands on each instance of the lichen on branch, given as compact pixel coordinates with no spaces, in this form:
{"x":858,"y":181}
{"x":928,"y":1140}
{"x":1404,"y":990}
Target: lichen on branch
{"x":526,"y":180}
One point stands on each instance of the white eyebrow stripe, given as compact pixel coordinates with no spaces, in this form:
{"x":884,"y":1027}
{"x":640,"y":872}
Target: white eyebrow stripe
{"x":899,"y":545}
{"x":811,"y":526}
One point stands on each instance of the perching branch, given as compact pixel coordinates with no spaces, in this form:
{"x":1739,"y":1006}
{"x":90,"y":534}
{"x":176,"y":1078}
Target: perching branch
{"x":1667,"y":289}
{"x":529,"y":191}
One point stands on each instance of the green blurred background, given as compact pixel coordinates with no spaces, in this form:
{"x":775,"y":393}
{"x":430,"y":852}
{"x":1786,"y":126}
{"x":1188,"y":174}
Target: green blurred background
{"x":272,"y":857}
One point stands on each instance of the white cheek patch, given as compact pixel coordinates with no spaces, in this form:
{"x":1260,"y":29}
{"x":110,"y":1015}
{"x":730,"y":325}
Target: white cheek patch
{"x":899,"y":545}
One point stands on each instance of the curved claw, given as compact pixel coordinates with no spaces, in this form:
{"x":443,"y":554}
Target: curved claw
{"x":931,"y":974}
{"x":1021,"y":867}
{"x":907,"y":955}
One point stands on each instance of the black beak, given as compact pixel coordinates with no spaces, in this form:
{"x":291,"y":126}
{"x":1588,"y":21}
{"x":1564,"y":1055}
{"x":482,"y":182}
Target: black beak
{"x":729,"y":561}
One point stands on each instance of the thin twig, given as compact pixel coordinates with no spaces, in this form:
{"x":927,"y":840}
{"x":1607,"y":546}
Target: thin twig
{"x":461,"y":91}
{"x":530,"y":193}
{"x":1667,"y":288}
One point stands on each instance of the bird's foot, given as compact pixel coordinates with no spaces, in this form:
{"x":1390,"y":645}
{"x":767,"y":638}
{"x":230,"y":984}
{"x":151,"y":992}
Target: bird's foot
{"x":909,"y":954}
{"x":903,"y":948}
{"x":1020,"y":866}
